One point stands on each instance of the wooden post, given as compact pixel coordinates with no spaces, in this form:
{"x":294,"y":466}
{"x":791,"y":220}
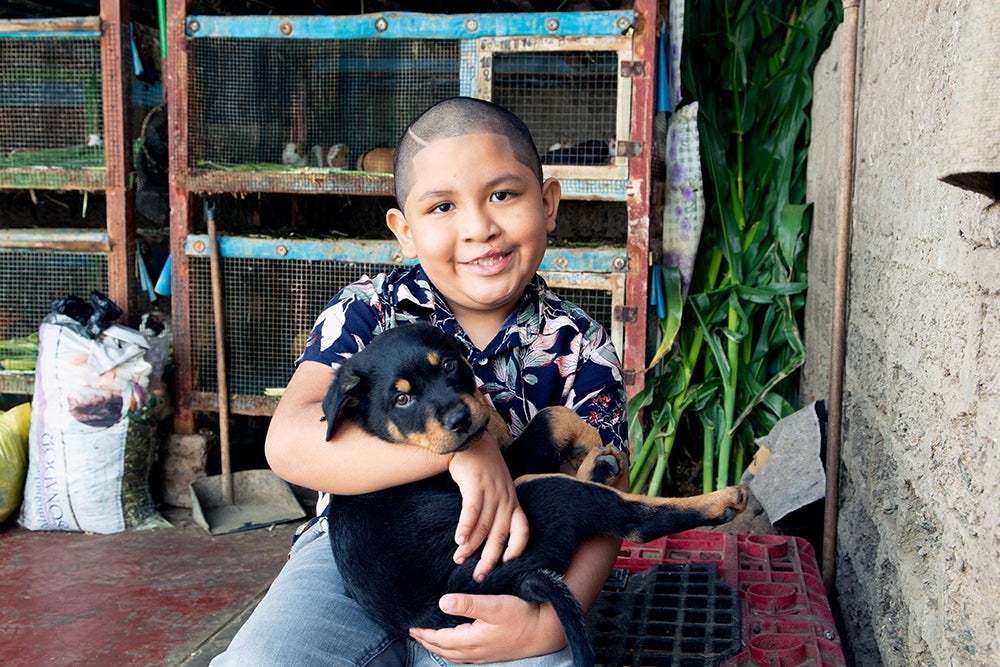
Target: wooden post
{"x":116,"y":82}
{"x":640,"y":172}
{"x":180,"y":214}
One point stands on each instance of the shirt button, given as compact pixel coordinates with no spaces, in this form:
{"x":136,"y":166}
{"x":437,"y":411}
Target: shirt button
{"x":482,"y":362}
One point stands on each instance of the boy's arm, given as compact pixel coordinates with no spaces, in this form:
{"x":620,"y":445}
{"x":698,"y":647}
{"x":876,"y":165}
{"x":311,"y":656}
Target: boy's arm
{"x":355,"y":462}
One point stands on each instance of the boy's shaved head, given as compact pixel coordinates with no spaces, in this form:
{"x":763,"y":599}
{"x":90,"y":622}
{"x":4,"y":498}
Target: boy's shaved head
{"x":456,"y":117}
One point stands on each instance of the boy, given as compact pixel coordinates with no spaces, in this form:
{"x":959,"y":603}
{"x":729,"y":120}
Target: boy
{"x":474,"y":209}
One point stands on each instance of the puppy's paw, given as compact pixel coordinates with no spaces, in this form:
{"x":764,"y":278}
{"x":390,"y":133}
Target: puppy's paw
{"x":729,"y":502}
{"x":604,"y":465}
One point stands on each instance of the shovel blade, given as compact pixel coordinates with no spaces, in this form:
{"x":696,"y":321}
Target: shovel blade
{"x":260,"y":499}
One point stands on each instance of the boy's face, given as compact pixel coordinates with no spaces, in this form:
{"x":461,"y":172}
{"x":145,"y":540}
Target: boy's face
{"x":477,"y":221}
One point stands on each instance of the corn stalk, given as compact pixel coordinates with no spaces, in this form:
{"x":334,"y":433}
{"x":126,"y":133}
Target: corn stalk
{"x":729,"y":352}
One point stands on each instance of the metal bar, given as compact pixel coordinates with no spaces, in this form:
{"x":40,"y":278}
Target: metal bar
{"x":602,"y":259}
{"x":176,"y":68}
{"x":636,"y":289}
{"x":82,"y":26}
{"x":407,"y":25}
{"x":68,"y":240}
{"x":116,"y":66}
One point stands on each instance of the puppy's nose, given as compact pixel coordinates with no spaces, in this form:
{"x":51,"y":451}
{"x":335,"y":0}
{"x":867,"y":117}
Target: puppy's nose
{"x":457,"y":419}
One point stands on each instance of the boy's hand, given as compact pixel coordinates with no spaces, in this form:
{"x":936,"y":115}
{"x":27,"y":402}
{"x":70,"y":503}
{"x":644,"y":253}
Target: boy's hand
{"x":491,"y":515}
{"x":504,"y":628}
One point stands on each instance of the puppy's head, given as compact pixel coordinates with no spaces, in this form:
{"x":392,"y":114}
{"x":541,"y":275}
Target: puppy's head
{"x":411,"y":385}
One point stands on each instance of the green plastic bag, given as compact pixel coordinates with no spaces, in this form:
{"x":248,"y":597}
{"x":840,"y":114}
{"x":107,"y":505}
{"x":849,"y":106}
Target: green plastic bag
{"x":13,"y":457}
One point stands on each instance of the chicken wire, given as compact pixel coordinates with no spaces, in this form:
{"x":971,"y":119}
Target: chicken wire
{"x":270,"y":102}
{"x":51,"y":115}
{"x":568,"y":99}
{"x":30,"y":280}
{"x":270,"y":308}
{"x":254,"y":119}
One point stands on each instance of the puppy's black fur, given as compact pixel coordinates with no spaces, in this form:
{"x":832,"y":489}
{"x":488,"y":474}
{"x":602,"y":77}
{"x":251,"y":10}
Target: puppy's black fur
{"x":394,"y":547}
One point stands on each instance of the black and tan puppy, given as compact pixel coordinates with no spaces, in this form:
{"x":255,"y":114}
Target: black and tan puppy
{"x":394,"y":547}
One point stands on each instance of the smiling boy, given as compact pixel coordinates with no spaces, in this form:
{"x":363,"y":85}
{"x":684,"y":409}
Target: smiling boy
{"x":475,"y":211}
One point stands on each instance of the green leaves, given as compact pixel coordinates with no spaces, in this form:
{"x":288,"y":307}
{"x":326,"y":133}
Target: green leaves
{"x":724,"y":370}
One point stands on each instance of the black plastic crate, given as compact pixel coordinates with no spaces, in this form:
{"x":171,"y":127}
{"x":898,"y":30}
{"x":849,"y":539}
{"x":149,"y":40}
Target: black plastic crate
{"x":681,"y":615}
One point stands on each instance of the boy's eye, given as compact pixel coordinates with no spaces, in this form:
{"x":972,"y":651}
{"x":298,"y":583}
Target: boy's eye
{"x":443,"y":208}
{"x":502,"y":196}
{"x":402,"y":400}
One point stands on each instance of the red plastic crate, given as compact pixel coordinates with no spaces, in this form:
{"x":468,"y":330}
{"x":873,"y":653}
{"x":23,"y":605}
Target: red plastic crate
{"x":786,"y":617}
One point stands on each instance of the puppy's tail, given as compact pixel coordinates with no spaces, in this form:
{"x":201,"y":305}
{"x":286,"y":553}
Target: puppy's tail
{"x":545,"y":586}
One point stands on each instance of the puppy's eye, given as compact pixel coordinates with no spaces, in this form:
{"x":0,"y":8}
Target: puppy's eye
{"x":449,"y":365}
{"x":402,"y":400}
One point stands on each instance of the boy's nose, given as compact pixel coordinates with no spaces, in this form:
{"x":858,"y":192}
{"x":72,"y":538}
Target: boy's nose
{"x":479,"y":226}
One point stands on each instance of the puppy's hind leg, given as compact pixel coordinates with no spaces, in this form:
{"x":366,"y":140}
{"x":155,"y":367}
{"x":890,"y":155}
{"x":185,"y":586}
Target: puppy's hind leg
{"x":554,"y":434}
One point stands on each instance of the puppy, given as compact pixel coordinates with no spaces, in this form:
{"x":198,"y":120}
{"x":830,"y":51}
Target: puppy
{"x":412,"y":385}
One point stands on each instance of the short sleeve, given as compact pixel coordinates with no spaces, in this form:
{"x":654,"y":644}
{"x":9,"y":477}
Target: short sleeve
{"x":348,"y":323}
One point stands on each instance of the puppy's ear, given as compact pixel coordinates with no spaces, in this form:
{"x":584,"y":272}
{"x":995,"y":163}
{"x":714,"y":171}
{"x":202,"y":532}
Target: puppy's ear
{"x":341,"y":392}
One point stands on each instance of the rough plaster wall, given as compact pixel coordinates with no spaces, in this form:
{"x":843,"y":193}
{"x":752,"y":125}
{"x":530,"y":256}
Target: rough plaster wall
{"x":918,"y":568}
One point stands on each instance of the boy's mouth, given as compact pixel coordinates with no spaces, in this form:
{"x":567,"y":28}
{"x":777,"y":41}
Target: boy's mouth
{"x":489,"y":261}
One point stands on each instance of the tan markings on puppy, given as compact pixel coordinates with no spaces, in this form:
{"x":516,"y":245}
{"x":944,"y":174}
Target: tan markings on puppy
{"x":710,"y":505}
{"x":433,"y":358}
{"x":394,"y":432}
{"x":586,"y":469}
{"x":403,"y":386}
{"x":483,"y":413}
{"x":436,"y":438}
{"x":570,"y":430}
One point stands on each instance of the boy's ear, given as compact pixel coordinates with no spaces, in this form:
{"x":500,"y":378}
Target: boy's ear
{"x":396,"y":221}
{"x":551,"y":194}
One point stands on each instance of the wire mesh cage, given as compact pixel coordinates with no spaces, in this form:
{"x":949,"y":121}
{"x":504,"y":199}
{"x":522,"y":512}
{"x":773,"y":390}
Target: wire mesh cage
{"x":51,"y":111}
{"x":338,"y":101}
{"x":30,"y":280}
{"x":582,"y":85}
{"x":315,"y":104}
{"x":290,"y":114}
{"x":270,"y":307}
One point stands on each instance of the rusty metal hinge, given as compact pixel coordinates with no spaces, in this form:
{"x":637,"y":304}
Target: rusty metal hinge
{"x":631,"y":69}
{"x":625,"y":313}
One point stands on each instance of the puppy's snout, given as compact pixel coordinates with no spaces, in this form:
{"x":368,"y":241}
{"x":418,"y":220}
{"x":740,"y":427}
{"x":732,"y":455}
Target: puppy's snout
{"x":458,"y":419}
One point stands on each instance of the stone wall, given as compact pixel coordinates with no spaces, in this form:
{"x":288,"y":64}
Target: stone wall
{"x":918,"y":565}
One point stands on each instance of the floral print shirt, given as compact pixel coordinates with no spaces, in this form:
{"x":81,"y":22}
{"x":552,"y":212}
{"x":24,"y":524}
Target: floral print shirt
{"x":548,"y":352}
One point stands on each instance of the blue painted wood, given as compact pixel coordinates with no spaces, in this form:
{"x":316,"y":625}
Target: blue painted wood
{"x":23,"y":237}
{"x":593,"y":189}
{"x":398,"y":25}
{"x":50,"y":35}
{"x":603,"y":259}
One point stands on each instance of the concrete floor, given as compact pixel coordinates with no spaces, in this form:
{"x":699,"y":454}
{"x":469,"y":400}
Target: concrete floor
{"x":171,"y":596}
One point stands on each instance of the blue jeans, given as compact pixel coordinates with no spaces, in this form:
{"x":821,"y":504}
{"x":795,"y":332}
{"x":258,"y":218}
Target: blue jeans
{"x":306,"y":619}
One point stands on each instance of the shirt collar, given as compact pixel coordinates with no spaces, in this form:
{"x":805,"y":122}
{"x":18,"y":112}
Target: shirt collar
{"x":414,"y":294}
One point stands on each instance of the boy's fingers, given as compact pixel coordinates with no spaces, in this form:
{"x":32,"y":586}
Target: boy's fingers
{"x":518,"y":535}
{"x":493,"y":548}
{"x":471,"y":532}
{"x":482,"y":607}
